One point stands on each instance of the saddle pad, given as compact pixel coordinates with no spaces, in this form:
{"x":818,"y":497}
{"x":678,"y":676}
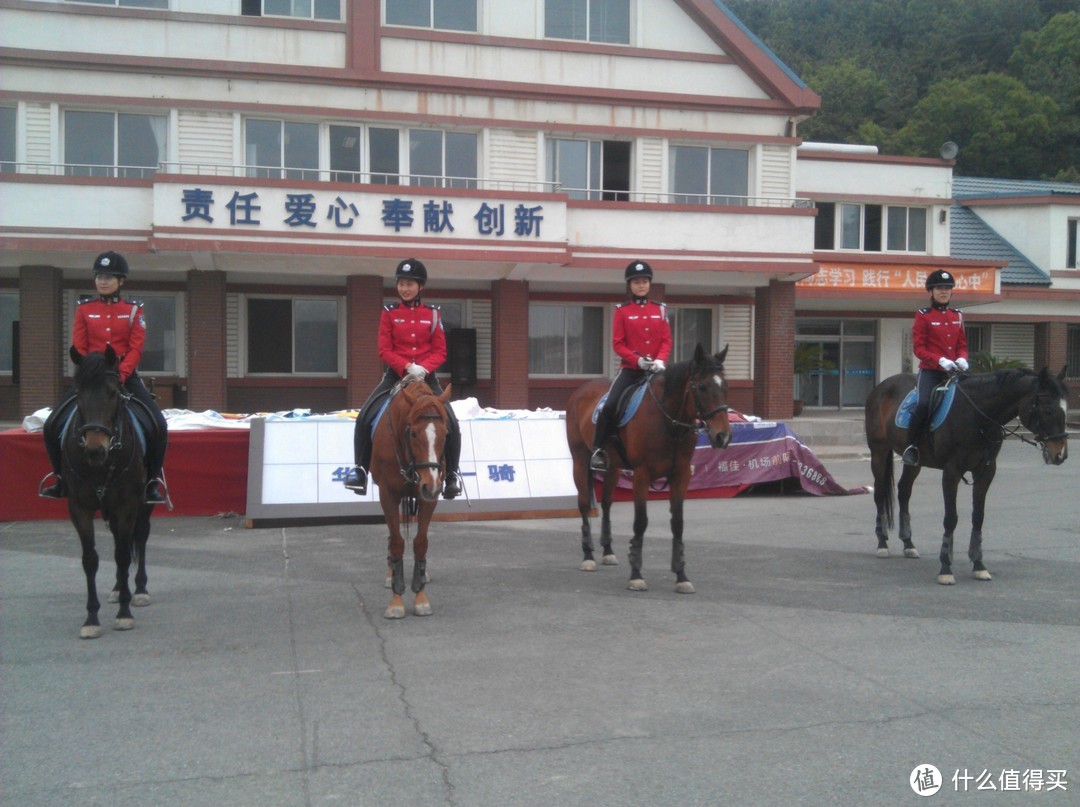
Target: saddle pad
{"x":940,"y":403}
{"x":635,"y":394}
{"x":141,"y":420}
{"x":379,"y":414}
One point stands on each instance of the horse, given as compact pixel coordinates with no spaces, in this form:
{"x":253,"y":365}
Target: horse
{"x":968,"y":441}
{"x":658,"y":442}
{"x":102,"y":463}
{"x":409,"y":465}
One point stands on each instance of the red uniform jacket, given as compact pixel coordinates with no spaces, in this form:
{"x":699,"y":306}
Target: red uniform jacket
{"x":101,"y":321}
{"x":938,"y":333}
{"x":411,"y":334}
{"x":640,"y":330}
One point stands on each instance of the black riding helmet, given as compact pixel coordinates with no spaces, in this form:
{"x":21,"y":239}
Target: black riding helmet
{"x":940,"y":277}
{"x":111,"y":263}
{"x":637,"y":269}
{"x":412,"y":269}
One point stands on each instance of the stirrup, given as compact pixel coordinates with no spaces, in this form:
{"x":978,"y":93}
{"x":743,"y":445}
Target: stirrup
{"x":452,"y":486}
{"x":356,"y":480}
{"x":910,"y":456}
{"x":157,"y":492}
{"x":599,"y":460}
{"x":56,"y":490}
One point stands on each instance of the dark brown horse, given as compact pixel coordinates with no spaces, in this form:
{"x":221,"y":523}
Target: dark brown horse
{"x":408,"y":463}
{"x":968,"y":441}
{"x":658,"y":443}
{"x":102,"y":464}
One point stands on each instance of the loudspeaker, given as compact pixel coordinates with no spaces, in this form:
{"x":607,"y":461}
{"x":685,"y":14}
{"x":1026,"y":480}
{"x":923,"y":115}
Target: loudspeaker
{"x":461,"y":345}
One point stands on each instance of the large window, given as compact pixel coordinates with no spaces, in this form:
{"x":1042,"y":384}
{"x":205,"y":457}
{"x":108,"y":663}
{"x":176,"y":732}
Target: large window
{"x":106,"y":144}
{"x":709,"y":176}
{"x":274,"y":148}
{"x":304,"y":9}
{"x":870,"y":228}
{"x":590,"y":169}
{"x":130,"y":3}
{"x":1073,"y":246}
{"x":566,"y":339}
{"x":9,"y":315}
{"x":690,"y":327}
{"x":450,"y":15}
{"x":906,"y":229}
{"x":8,"y":117}
{"x":442,"y":159}
{"x":848,"y":371}
{"x":589,"y":20}
{"x":1072,"y":350}
{"x":162,"y":337}
{"x":292,"y":336}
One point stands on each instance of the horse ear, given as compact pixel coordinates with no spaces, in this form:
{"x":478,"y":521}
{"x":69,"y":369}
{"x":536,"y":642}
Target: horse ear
{"x":76,"y":356}
{"x":699,"y":353}
{"x":445,"y":397}
{"x":1061,"y":375}
{"x":110,"y":355}
{"x":722,"y":354}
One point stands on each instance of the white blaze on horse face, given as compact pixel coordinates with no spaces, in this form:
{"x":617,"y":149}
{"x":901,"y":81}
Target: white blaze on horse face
{"x":1064,"y":407}
{"x":429,"y":432}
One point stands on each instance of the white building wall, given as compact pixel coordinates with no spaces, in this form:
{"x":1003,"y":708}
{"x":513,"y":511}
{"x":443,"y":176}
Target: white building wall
{"x":40,"y":146}
{"x":1027,"y":228}
{"x":512,"y":157}
{"x":893,"y":346}
{"x":737,"y":332}
{"x":205,"y":138}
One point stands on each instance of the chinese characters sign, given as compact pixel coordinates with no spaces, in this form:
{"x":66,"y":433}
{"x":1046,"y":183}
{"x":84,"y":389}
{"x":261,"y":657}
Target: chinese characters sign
{"x":894,"y":278}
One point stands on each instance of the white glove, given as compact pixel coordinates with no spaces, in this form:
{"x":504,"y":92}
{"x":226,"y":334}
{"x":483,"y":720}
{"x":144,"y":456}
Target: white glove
{"x":962,"y":364}
{"x":644,"y":363}
{"x":948,"y":365}
{"x":416,"y":371}
{"x":658,"y":366}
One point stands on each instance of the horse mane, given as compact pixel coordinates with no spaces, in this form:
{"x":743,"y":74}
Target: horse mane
{"x":1009,"y":378}
{"x":93,"y":370}
{"x":415,"y":393}
{"x":677,"y":375}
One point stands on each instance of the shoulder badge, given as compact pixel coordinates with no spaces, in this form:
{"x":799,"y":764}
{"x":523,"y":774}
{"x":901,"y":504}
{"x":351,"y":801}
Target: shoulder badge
{"x":86,"y":298}
{"x":924,"y":310}
{"x":391,"y":307}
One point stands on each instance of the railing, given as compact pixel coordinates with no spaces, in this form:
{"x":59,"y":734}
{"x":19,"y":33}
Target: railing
{"x":79,"y":170}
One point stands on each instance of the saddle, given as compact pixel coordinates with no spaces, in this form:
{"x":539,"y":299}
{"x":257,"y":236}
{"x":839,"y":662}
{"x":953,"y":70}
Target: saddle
{"x":941,"y":401}
{"x":627,"y":405}
{"x":141,"y":418}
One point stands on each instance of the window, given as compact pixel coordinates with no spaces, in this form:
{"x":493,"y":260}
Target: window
{"x":274,"y":148}
{"x":384,"y":148}
{"x":449,"y":15}
{"x":709,"y":176}
{"x":690,"y":326}
{"x":9,"y":316}
{"x":303,"y":9}
{"x":978,"y":338}
{"x":108,"y":144}
{"x":8,"y":119}
{"x":1071,"y":249}
{"x":859,"y":227}
{"x":588,"y":20}
{"x":345,"y":165}
{"x":292,"y":335}
{"x":590,"y":169}
{"x":566,"y":340}
{"x":442,"y":159}
{"x":1072,"y":350}
{"x":906,"y":229}
{"x":130,"y":3}
{"x":162,"y":339}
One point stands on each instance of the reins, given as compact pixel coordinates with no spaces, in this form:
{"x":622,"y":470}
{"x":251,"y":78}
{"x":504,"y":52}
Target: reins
{"x":1005,"y":432}
{"x":408,"y":467}
{"x":115,"y":433}
{"x":673,"y":423}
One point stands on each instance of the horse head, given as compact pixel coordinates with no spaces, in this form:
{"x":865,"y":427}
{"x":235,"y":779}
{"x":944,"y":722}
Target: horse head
{"x":99,"y":397}
{"x":708,"y":388}
{"x":426,"y":427}
{"x":1043,"y":412}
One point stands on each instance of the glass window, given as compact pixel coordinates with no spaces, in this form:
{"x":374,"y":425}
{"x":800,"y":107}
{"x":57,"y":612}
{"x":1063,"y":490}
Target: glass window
{"x":1072,"y":247}
{"x":345,"y":165}
{"x":689,"y":328}
{"x":9,"y":315}
{"x":850,"y":226}
{"x":905,"y":229}
{"x":1072,"y":350}
{"x":160,"y":350}
{"x":383,"y":148}
{"x":978,"y":338}
{"x":302,"y":9}
{"x":292,"y":336}
{"x":715,"y":176}
{"x":450,"y":15}
{"x":130,"y":3}
{"x":109,"y":144}
{"x":273,"y":145}
{"x":566,"y":340}
{"x":442,"y":159}
{"x":590,"y":169}
{"x":590,"y":20}
{"x":8,"y":118}
{"x":825,"y":225}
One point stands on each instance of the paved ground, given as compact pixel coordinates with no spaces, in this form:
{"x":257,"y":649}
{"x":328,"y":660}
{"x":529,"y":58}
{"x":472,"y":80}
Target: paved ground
{"x":804,"y":671}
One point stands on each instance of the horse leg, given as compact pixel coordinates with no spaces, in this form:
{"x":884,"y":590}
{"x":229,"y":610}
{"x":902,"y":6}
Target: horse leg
{"x":396,"y":560}
{"x":881,"y":465}
{"x":608,"y":557}
{"x":949,"y":482}
{"x":84,"y":525}
{"x":982,"y":479}
{"x":903,"y":494}
{"x":641,"y":521}
{"x":678,"y":559}
{"x":141,"y":597}
{"x":583,"y":483}
{"x":122,"y":529}
{"x":421,"y":605}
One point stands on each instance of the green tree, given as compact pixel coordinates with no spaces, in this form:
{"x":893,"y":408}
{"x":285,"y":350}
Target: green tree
{"x":851,"y":96}
{"x":1003,"y":128}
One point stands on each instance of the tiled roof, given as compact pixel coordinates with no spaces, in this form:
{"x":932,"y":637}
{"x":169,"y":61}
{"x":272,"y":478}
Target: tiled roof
{"x":971,"y":238}
{"x":991,"y":186}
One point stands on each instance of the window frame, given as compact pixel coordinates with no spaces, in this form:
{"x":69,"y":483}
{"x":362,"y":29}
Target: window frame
{"x":1072,"y":245}
{"x":245,"y":335}
{"x":7,"y":366}
{"x":600,"y":168}
{"x":433,"y":17}
{"x":153,"y":5}
{"x":9,"y":140}
{"x":679,"y":350}
{"x":588,"y":34}
{"x":1072,"y":350}
{"x":257,"y":8}
{"x":711,"y":196}
{"x":117,"y":169}
{"x":599,"y":349}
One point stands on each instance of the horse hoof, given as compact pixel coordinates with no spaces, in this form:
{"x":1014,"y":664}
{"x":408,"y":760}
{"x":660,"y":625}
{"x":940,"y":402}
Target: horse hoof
{"x":395,"y":612}
{"x":946,"y":580}
{"x":882,"y":552}
{"x":387,"y":583}
{"x":685,"y":587}
{"x":114,"y":596}
{"x":637,"y":585}
{"x":912,"y":553}
{"x":982,"y":574}
{"x":140,"y":600}
{"x":422,"y":609}
{"x":610,"y":560}
{"x":588,"y":565}
{"x":90,"y":631}
{"x":124,"y":623}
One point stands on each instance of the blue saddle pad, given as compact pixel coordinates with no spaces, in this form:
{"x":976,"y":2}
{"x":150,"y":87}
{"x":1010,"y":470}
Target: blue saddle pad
{"x":635,"y":395}
{"x":141,"y":419}
{"x":940,"y":404}
{"x":378,"y":415}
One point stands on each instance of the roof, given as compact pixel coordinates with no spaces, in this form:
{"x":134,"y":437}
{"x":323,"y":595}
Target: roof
{"x":969,"y":187}
{"x":971,"y":238}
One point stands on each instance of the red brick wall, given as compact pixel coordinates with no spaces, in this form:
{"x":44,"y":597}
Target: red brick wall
{"x":774,"y":345}
{"x":42,"y":345}
{"x":510,"y":343}
{"x":363,"y":307}
{"x":1051,"y":345}
{"x":206,"y":341}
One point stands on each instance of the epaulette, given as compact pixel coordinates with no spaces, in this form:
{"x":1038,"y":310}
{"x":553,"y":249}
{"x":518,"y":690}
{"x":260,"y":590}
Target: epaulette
{"x":924,"y":310}
{"x":391,"y":307}
{"x":136,"y":303}
{"x":620,"y":305}
{"x":433,"y":306}
{"x":85,"y":298}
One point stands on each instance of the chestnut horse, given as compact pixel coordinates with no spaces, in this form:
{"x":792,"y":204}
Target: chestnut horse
{"x":658,"y":442}
{"x":408,"y":464}
{"x":968,"y":441}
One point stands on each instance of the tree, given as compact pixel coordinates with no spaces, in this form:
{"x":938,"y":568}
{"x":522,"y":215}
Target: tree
{"x":851,"y":96}
{"x":1001,"y":126}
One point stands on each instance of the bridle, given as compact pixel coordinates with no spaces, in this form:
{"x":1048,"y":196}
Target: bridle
{"x":114,"y":431}
{"x":1033,"y":416}
{"x":407,"y":463}
{"x":690,"y":390}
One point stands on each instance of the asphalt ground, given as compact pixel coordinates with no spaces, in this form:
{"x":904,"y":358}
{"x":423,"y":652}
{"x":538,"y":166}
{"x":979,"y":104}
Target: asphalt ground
{"x":803,"y":671}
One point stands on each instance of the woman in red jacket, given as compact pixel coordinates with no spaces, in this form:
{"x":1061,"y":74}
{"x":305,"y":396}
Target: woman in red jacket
{"x":100,"y":321}
{"x":411,"y":342}
{"x":641,"y":336}
{"x":938,"y":338}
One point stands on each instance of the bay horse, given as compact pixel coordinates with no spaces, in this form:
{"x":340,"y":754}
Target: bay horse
{"x":408,"y":463}
{"x":658,"y":442}
{"x":102,"y":465}
{"x":968,"y":441}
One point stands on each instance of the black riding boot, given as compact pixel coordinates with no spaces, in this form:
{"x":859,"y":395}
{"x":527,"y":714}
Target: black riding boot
{"x":57,"y":489}
{"x":452,"y":486}
{"x":356,"y":478}
{"x":154,"y":492}
{"x":915,"y":433}
{"x":599,"y":459}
